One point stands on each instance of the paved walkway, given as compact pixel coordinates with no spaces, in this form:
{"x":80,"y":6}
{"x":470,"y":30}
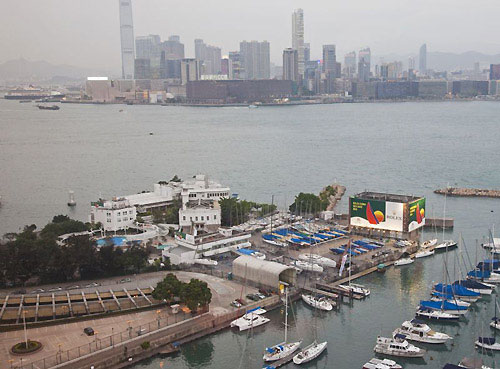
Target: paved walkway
{"x":66,"y":336}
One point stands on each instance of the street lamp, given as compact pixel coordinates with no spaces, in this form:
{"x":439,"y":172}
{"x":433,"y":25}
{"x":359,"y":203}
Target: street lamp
{"x":25,"y":331}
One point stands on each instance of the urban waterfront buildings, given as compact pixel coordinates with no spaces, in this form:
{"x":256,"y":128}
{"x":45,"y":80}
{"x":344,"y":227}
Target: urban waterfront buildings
{"x":209,"y":57}
{"x":298,"y":37}
{"x":127,"y":38}
{"x":494,"y":72}
{"x":364,"y":65}
{"x":114,"y":215}
{"x":350,"y":64}
{"x":190,"y":70}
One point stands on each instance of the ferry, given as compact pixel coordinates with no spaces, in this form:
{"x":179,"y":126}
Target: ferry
{"x":32,"y":93}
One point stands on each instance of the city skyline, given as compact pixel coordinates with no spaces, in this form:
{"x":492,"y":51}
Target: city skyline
{"x":374,"y":29}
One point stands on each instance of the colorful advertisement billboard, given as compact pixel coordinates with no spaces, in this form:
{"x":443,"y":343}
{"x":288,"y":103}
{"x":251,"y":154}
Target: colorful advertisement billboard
{"x":416,"y":217}
{"x":376,"y":214}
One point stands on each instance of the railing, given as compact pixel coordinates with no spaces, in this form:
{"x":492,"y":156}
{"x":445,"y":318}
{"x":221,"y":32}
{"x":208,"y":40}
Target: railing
{"x":99,"y":343}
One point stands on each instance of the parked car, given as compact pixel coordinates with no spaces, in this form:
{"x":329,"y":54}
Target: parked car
{"x":39,"y":290}
{"x":260,"y":295}
{"x":241,"y":301}
{"x":55,"y":289}
{"x":73,"y":287}
{"x":95,"y":284}
{"x":253,"y":297}
{"x":125,"y":280}
{"x":235,"y":304}
{"x":88,"y":331}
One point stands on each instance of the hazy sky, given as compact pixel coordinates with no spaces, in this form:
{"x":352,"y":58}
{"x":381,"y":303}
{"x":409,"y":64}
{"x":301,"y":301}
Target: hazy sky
{"x":86,"y":32}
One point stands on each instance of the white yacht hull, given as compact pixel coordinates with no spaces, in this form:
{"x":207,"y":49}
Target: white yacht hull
{"x":310,"y":353}
{"x":405,"y":261}
{"x":286,"y":350}
{"x":315,"y":303}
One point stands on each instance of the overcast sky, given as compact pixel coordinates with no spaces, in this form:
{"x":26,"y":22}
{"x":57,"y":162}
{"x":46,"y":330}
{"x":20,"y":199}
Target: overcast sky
{"x":86,"y":32}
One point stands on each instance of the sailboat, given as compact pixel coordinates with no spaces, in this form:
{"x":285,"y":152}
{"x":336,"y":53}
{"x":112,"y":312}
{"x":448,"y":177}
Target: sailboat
{"x":285,"y":348}
{"x":446,"y":244}
{"x":312,"y":351}
{"x":356,"y":289}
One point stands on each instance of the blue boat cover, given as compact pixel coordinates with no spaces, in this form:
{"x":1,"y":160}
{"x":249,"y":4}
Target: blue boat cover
{"x":455,"y":290}
{"x":400,"y":336}
{"x":487,"y":340}
{"x":470,"y":283}
{"x":270,"y":350}
{"x":452,"y":366}
{"x":417,"y":321}
{"x":269,"y":236}
{"x":481,"y":274}
{"x":257,"y":308}
{"x":438,"y":305}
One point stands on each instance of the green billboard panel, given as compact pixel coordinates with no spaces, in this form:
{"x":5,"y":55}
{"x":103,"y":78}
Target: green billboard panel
{"x":416,"y":214}
{"x":376,"y":214}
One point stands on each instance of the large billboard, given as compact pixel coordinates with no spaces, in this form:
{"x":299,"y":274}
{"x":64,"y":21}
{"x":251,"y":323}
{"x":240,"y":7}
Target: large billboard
{"x":416,"y":217}
{"x":376,"y":214}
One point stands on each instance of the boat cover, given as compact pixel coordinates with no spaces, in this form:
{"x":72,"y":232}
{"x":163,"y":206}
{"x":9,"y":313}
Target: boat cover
{"x":452,"y":366}
{"x":400,"y":336}
{"x":487,"y":340}
{"x":417,"y":321}
{"x":455,"y":290}
{"x":438,"y":305}
{"x":479,"y":274}
{"x":470,"y":283}
{"x":489,"y":264}
{"x":246,"y":251}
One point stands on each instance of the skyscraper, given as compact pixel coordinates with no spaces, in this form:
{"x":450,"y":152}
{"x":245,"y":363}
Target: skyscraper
{"x":173,"y":48}
{"x":307,"y":52}
{"x":422,"y":59}
{"x":208,"y":56}
{"x":237,"y":65}
{"x":350,"y":64}
{"x":290,"y":65}
{"x":256,"y":60}
{"x":127,"y":38}
{"x":364,"y":60}
{"x":148,"y":47}
{"x":329,"y":58}
{"x":190,"y":70}
{"x":298,"y":37}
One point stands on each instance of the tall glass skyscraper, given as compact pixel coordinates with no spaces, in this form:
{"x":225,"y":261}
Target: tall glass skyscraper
{"x":298,"y":37}
{"x":127,"y":38}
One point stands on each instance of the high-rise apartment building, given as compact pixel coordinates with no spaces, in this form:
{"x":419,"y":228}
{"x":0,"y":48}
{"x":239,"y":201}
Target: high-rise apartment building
{"x":148,"y":47}
{"x":256,"y":60}
{"x":290,"y":65}
{"x":494,"y":72}
{"x":142,"y":68}
{"x":208,"y":56}
{"x":236,"y":60}
{"x":173,"y":48}
{"x":422,"y":59}
{"x":298,"y":37}
{"x":190,"y":70}
{"x":226,"y":67}
{"x":364,"y":62}
{"x":127,"y":38}
{"x":350,"y":64}
{"x":307,"y":52}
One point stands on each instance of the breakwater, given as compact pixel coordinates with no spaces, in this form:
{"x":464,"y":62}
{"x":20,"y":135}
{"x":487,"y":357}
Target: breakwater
{"x":468,"y":192}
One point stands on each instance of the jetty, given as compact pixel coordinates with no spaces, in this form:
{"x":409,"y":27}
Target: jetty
{"x":447,"y":223}
{"x":334,"y":192}
{"x":468,"y":192}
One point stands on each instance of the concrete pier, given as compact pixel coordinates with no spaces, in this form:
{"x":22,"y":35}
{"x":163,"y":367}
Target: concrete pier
{"x":468,"y":192}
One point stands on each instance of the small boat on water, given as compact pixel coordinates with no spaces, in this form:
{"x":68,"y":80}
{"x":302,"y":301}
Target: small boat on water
{"x":310,"y":352}
{"x":397,"y":346}
{"x":381,"y":364}
{"x":417,"y":330}
{"x":476,"y":286}
{"x":48,"y":107}
{"x":307,"y":266}
{"x":381,"y":268}
{"x":318,"y":259}
{"x":424,"y":253}
{"x":435,"y":314}
{"x":438,"y":296}
{"x":446,"y":245}
{"x":320,"y":303}
{"x":488,"y":343}
{"x":356,"y":289}
{"x":484,"y":276}
{"x":468,"y":363}
{"x":404,"y":261}
{"x":249,"y":320}
{"x":444,"y":306}
{"x":429,"y":243}
{"x":457,"y":291}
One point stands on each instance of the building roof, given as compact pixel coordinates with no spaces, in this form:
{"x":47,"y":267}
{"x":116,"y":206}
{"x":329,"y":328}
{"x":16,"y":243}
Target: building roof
{"x":147,"y":198}
{"x":367,"y":195}
{"x":263,"y":272}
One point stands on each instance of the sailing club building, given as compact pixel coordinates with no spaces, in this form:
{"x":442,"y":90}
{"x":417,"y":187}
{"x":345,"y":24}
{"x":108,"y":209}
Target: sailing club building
{"x":378,"y":215}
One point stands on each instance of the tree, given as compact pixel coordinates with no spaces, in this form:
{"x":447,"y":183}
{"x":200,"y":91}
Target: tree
{"x":307,"y":203}
{"x":168,"y":288}
{"x":195,"y":294}
{"x":134,"y":259}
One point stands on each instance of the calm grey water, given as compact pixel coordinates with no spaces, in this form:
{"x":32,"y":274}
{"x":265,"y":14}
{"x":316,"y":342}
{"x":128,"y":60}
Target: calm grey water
{"x":395,"y":147}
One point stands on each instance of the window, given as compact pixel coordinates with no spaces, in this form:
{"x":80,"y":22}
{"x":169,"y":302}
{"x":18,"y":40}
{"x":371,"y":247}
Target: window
{"x":196,"y":218}
{"x":119,"y":220}
{"x":124,"y":213}
{"x":183,"y":217}
{"x":131,"y":219}
{"x":202,"y":217}
{"x":109,"y":221}
{"x":208,"y":218}
{"x":118,"y":213}
{"x":191,"y":218}
{"x":215,"y":217}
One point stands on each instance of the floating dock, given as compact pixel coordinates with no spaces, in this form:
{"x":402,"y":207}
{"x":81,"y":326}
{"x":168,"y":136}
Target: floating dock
{"x":448,"y":223}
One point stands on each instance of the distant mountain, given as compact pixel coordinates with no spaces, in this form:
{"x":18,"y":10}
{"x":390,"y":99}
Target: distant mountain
{"x":22,"y":70}
{"x":440,"y":61}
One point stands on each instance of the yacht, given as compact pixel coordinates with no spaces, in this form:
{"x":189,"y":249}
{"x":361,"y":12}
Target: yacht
{"x":321,"y":303}
{"x":495,"y":323}
{"x":429,"y":243}
{"x":318,"y":259}
{"x":404,"y":261}
{"x":476,"y":286}
{"x":417,"y":330}
{"x":488,"y":343}
{"x":424,"y":253}
{"x":444,"y":306}
{"x":445,"y":245}
{"x":307,"y":266}
{"x":249,"y":320}
{"x":397,"y":346}
{"x":458,"y":292}
{"x":356,"y":289}
{"x":310,"y":352}
{"x":382,"y":364}
{"x":435,"y":314}
{"x":438,"y":297}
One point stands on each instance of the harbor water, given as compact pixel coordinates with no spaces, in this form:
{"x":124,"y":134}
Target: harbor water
{"x":412,"y":148}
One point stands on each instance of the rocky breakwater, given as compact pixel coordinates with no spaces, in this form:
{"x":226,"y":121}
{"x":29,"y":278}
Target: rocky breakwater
{"x":476,"y":192}
{"x":332,"y":194}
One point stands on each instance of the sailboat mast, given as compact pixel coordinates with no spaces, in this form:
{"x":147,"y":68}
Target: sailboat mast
{"x":286,"y":314}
